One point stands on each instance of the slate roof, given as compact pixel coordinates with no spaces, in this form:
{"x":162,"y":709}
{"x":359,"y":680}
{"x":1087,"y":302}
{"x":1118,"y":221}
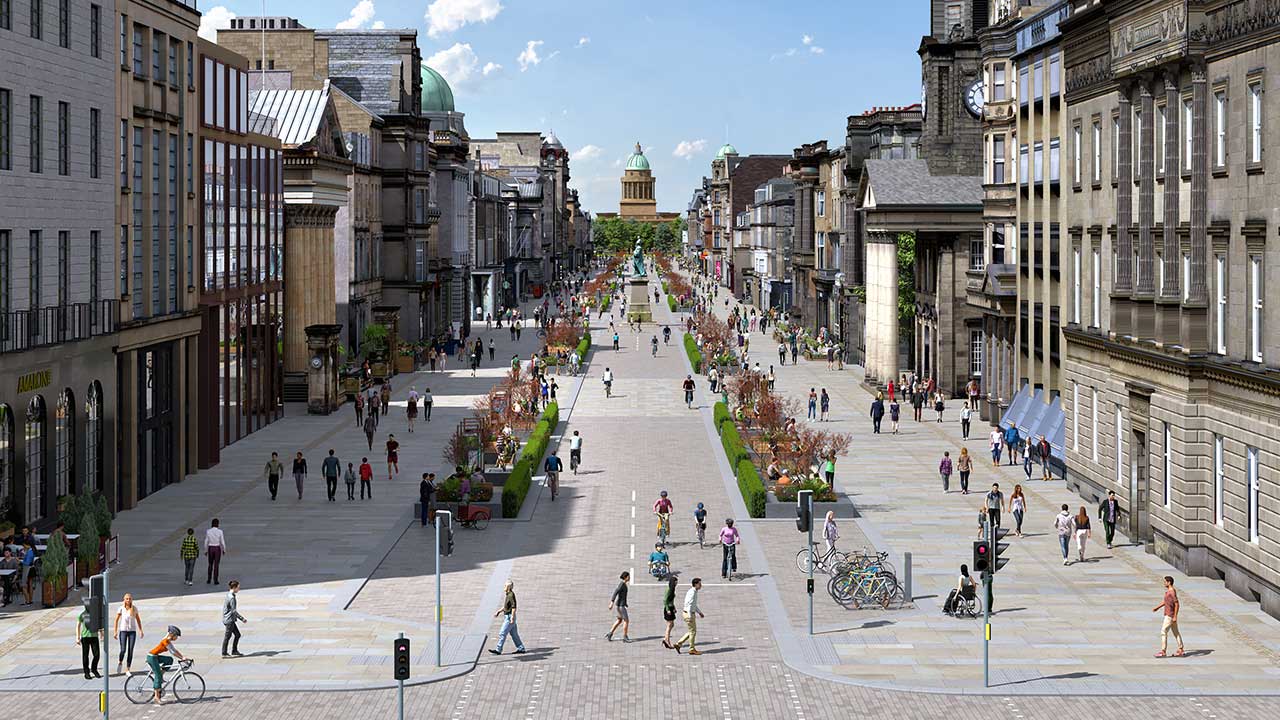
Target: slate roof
{"x":296,"y":113}
{"x":749,"y":173}
{"x":909,"y":182}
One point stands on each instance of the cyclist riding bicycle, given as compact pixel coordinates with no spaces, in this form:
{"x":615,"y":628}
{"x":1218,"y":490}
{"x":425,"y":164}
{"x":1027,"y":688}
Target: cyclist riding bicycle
{"x":607,"y":379}
{"x":654,"y":344}
{"x":552,"y":466}
{"x":158,"y":661}
{"x":666,"y":334}
{"x":659,"y":563}
{"x":662,"y":508}
{"x":575,"y":451}
{"x":688,"y":386}
{"x":700,"y":523}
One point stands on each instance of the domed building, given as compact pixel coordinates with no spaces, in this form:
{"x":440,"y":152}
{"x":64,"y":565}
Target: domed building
{"x":639,"y":202}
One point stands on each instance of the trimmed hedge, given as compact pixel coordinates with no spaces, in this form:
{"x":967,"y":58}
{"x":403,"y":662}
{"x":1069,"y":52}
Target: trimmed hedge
{"x":695,"y":355}
{"x":733,"y":447}
{"x":517,"y":485}
{"x":671,"y":303}
{"x":720,"y":414}
{"x":583,"y":347}
{"x":552,"y":414}
{"x":752,"y":489}
{"x":664,"y":286}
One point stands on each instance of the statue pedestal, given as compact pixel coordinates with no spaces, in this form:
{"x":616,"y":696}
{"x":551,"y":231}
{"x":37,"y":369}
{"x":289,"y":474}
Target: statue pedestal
{"x":638,"y":295}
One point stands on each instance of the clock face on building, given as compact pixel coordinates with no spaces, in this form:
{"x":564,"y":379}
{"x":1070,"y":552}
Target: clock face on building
{"x":316,"y":362}
{"x":975,"y":98}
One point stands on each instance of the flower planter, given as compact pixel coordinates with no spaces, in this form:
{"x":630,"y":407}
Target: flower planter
{"x":404,"y":364}
{"x":380,"y":369}
{"x":350,"y":386}
{"x":53,"y":592}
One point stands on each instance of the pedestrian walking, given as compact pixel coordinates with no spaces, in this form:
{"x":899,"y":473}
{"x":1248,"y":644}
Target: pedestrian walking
{"x":965,"y":414}
{"x":427,"y":402}
{"x":231,"y":618}
{"x":729,"y":539}
{"x":994,"y":503}
{"x":1026,"y":457}
{"x":366,"y":478}
{"x":877,"y":413}
{"x":89,"y":643}
{"x":426,"y":494}
{"x":618,"y":604}
{"x":895,"y":414}
{"x":349,"y":477}
{"x":28,"y":564}
{"x":274,"y":469}
{"x":299,"y":472}
{"x":1109,"y":514}
{"x":830,"y":532}
{"x":1018,"y":505}
{"x":1083,"y":531}
{"x":1045,"y":452}
{"x":669,"y":610}
{"x":331,"y":468}
{"x":126,"y":631}
{"x":386,"y":397}
{"x":189,"y":552}
{"x":372,"y":408}
{"x":508,"y":613}
{"x":917,"y":405}
{"x":813,"y":403}
{"x":772,"y":378}
{"x":359,"y":406}
{"x":411,"y":407}
{"x":824,"y":406}
{"x":1169,"y":625}
{"x":938,"y":405}
{"x":795,"y":351}
{"x":1065,"y":524}
{"x":944,"y":469}
{"x":370,"y":427}
{"x":215,"y":546}
{"x":782,"y":354}
{"x":964,"y":465}
{"x":995,"y":447}
{"x":492,"y":349}
{"x":393,"y":456}
{"x":1011,"y":442}
{"x":691,"y":615}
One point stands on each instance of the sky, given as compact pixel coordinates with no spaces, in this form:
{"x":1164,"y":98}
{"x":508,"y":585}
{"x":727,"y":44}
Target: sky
{"x":681,"y":77}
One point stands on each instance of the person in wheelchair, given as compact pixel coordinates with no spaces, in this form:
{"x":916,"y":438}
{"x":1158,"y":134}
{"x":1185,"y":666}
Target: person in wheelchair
{"x":659,"y":563}
{"x":964,"y":596}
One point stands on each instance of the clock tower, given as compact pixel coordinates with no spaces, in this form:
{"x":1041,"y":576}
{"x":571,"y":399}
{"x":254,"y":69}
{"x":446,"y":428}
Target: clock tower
{"x":951,"y":91}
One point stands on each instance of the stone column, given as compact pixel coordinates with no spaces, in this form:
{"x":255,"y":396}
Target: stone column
{"x":1122,"y":288}
{"x":1145,"y":288}
{"x":1167,"y":311}
{"x":1195,"y":311}
{"x":802,"y":262}
{"x":309,"y":297}
{"x":322,"y":369}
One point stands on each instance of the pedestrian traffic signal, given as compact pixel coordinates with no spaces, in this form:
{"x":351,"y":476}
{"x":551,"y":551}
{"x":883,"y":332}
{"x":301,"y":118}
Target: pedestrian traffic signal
{"x":804,"y":510}
{"x":401,"y":663}
{"x":981,"y":556}
{"x":95,"y":605}
{"x":445,"y":522}
{"x":1000,"y":547}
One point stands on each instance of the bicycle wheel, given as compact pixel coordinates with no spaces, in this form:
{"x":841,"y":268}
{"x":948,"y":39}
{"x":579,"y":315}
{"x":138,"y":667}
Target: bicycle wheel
{"x":480,"y":521}
{"x":188,"y":687}
{"x":806,"y":559}
{"x":138,"y":688}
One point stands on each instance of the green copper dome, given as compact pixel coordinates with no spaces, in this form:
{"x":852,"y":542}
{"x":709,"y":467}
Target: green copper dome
{"x":436,"y":95}
{"x":638,"y":161}
{"x":726,"y":149}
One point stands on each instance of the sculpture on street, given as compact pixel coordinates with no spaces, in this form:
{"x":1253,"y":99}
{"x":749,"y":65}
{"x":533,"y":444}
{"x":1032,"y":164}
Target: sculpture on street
{"x":637,"y":261}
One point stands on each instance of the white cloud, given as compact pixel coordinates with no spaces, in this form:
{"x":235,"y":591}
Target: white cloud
{"x":806,"y":39}
{"x":789,"y":52}
{"x":529,"y":57}
{"x":584,"y":40}
{"x":490,"y":67}
{"x":214,"y":19}
{"x":553,"y":54}
{"x":360,"y":16}
{"x":378,"y":25}
{"x":588,"y":152}
{"x":445,"y":16}
{"x":458,"y":64}
{"x":688,"y":148}
{"x":816,"y":50}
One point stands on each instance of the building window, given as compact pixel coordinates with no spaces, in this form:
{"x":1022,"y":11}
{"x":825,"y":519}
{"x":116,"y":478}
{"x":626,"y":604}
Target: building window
{"x":64,"y":266}
{"x":64,"y":23}
{"x":93,"y":439}
{"x":6,"y":277}
{"x":1135,"y":159}
{"x":95,"y":31}
{"x":157,"y":48}
{"x":138,"y":68}
{"x":95,"y":270}
{"x":1055,"y":152}
{"x":1220,"y":307}
{"x":997,"y":159}
{"x":1255,"y":308}
{"x":1093,"y":411}
{"x":1167,"y":470}
{"x":1095,"y":299}
{"x":6,"y":23}
{"x":33,"y":271}
{"x":64,"y":443}
{"x":1037,"y":78}
{"x":210,"y":88}
{"x":1220,"y":129}
{"x":1097,"y":151}
{"x":35,"y":460}
{"x":1115,"y":147}
{"x":135,"y":248}
{"x":94,"y":142}
{"x":1055,"y":65}
{"x":822,"y":203}
{"x":1075,"y":285}
{"x":124,"y":41}
{"x":124,"y":153}
{"x":1037,"y":161}
{"x":997,"y":245}
{"x":1160,"y":135}
{"x":6,"y":132}
{"x":1024,"y":86}
{"x":1218,"y":463}
{"x":1255,"y":122}
{"x":1186,"y":276}
{"x":1253,"y":494}
{"x":1119,"y":448}
{"x":173,"y":62}
{"x":157,"y":297}
{"x":124,"y":261}
{"x":1075,"y":154}
{"x":820,"y":238}
{"x":191,"y":66}
{"x":37,"y":141}
{"x":1187,"y":135}
{"x":977,"y":261}
{"x":37,"y":18}
{"x":64,"y":139}
{"x":191,"y":177}
{"x":1075,"y":416}
{"x":975,"y":353}
{"x":1023,"y":158}
{"x":998,"y":89}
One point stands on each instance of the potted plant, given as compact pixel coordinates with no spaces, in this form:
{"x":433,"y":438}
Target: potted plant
{"x":405,"y":358}
{"x":87,"y":547}
{"x":53,"y":571}
{"x":6,"y":522}
{"x":375,"y":343}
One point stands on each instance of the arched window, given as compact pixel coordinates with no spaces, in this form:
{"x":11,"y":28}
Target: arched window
{"x":93,"y":438}
{"x":6,"y":456}
{"x":64,"y":444}
{"x":35,"y":460}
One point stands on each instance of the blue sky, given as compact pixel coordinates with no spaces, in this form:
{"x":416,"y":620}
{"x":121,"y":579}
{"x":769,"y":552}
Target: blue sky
{"x":679,"y":77}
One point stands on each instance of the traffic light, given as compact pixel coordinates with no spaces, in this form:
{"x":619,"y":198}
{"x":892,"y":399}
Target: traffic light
{"x":804,"y":510}
{"x":95,"y":604}
{"x":401,"y":663}
{"x":446,"y":533}
{"x":1000,"y":547}
{"x":981,"y":556}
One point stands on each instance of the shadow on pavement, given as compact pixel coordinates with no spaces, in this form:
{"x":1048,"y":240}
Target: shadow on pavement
{"x":1064,"y":676}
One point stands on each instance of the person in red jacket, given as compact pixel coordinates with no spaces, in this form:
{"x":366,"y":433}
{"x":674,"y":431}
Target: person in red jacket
{"x":366,"y":477}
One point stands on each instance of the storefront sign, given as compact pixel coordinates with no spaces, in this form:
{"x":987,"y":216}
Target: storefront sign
{"x":33,"y":381}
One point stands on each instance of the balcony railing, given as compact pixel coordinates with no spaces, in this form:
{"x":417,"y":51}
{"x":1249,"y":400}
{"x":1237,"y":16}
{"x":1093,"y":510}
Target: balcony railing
{"x":25,"y":329}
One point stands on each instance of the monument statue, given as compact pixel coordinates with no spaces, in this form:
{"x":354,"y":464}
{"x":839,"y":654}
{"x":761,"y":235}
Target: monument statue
{"x":637,"y":262}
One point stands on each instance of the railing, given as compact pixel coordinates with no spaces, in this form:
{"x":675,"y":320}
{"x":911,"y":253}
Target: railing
{"x":24,"y":329}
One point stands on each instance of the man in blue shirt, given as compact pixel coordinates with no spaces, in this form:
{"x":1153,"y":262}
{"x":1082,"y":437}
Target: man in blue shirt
{"x":552,"y":466}
{"x":331,"y":468}
{"x":659,"y":563}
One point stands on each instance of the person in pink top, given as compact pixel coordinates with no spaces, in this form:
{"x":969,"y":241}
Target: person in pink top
{"x":729,"y":540}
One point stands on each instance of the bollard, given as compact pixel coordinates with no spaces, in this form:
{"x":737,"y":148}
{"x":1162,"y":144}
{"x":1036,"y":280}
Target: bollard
{"x":906,"y":577}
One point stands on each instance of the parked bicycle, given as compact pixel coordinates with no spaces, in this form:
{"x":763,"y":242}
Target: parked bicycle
{"x":186,"y":684}
{"x":825,"y":562}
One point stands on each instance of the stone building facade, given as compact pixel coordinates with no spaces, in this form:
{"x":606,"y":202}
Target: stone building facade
{"x":59,"y":407}
{"x":1169,"y":370}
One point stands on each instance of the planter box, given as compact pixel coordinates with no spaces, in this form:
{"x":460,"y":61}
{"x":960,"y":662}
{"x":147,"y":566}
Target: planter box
{"x":380,"y":369}
{"x":52,"y":593}
{"x":775,"y":509}
{"x":350,"y":386}
{"x":497,"y":477}
{"x":404,"y":364}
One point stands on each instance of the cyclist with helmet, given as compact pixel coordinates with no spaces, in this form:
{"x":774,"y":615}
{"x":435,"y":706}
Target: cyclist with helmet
{"x":552,"y":466}
{"x":158,"y":661}
{"x":700,"y":523}
{"x":666,"y":334}
{"x":653,"y":343}
{"x":607,"y":379}
{"x":662,"y":508}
